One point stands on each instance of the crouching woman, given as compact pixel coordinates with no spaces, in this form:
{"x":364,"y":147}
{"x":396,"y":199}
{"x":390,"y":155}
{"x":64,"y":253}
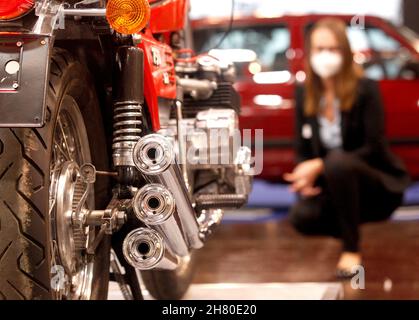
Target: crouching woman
{"x":346,"y":174}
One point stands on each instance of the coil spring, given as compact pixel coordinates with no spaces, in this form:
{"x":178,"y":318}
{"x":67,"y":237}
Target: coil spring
{"x":127,"y":130}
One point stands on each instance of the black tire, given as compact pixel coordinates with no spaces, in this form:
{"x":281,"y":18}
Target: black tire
{"x":170,"y":285}
{"x":25,"y":155}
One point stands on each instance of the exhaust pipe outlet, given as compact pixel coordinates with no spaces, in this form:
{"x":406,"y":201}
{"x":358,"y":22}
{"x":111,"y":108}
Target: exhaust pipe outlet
{"x":154,"y":205}
{"x":154,"y":156}
{"x":144,"y":249}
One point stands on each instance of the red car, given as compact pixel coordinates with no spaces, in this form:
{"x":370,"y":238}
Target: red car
{"x":269,"y":53}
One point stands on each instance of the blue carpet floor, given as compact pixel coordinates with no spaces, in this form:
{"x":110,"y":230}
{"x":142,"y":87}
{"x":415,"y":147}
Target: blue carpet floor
{"x":277,"y":196}
{"x":270,"y":201}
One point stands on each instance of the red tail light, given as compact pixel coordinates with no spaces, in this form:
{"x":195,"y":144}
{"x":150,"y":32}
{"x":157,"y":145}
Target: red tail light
{"x":12,"y":9}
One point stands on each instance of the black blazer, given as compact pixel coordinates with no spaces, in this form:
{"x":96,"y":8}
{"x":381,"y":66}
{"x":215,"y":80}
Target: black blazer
{"x":362,"y":134}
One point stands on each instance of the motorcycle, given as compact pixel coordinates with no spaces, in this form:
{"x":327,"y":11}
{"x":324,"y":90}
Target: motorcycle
{"x":106,"y":148}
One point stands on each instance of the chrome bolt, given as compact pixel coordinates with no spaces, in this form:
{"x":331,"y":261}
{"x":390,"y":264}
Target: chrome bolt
{"x":19,"y":44}
{"x":121,"y":218}
{"x":15,"y":85}
{"x":88,"y":173}
{"x":43,"y":42}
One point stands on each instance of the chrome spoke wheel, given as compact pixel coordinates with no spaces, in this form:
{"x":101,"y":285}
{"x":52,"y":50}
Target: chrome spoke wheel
{"x":70,"y":237}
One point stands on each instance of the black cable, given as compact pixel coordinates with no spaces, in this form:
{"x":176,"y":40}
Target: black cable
{"x":230,"y":27}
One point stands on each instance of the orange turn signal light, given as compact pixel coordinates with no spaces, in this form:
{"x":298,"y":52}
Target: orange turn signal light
{"x":128,"y":16}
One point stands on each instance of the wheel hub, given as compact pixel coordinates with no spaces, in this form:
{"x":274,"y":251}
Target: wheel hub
{"x":72,"y":235}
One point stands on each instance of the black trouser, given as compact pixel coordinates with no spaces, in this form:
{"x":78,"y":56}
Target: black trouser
{"x":352,"y":194}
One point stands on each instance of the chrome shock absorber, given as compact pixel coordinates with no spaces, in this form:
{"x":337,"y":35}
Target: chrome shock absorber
{"x":128,"y":126}
{"x":127,"y":131}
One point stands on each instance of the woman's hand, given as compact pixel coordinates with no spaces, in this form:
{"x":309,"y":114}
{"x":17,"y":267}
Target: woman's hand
{"x":304,"y":176}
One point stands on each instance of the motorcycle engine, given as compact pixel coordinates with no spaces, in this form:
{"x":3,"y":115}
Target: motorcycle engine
{"x":204,"y":125}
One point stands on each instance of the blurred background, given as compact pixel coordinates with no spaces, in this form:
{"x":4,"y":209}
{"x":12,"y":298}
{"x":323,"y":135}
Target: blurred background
{"x":265,"y":39}
{"x":389,"y":9}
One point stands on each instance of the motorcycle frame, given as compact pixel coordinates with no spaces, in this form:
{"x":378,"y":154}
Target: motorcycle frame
{"x":92,"y":39}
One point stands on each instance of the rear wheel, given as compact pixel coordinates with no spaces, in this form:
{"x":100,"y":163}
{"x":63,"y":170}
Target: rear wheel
{"x":42,"y":251}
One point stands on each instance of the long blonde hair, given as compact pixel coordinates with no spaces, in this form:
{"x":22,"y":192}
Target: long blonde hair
{"x":346,"y":81}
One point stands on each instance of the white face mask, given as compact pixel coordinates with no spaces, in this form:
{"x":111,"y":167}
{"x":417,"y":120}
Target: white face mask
{"x":326,"y":64}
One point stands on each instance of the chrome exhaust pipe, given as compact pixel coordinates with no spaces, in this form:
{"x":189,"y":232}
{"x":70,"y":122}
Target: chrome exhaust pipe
{"x":144,"y":249}
{"x":209,"y":219}
{"x":154,"y":156}
{"x":154,"y":205}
